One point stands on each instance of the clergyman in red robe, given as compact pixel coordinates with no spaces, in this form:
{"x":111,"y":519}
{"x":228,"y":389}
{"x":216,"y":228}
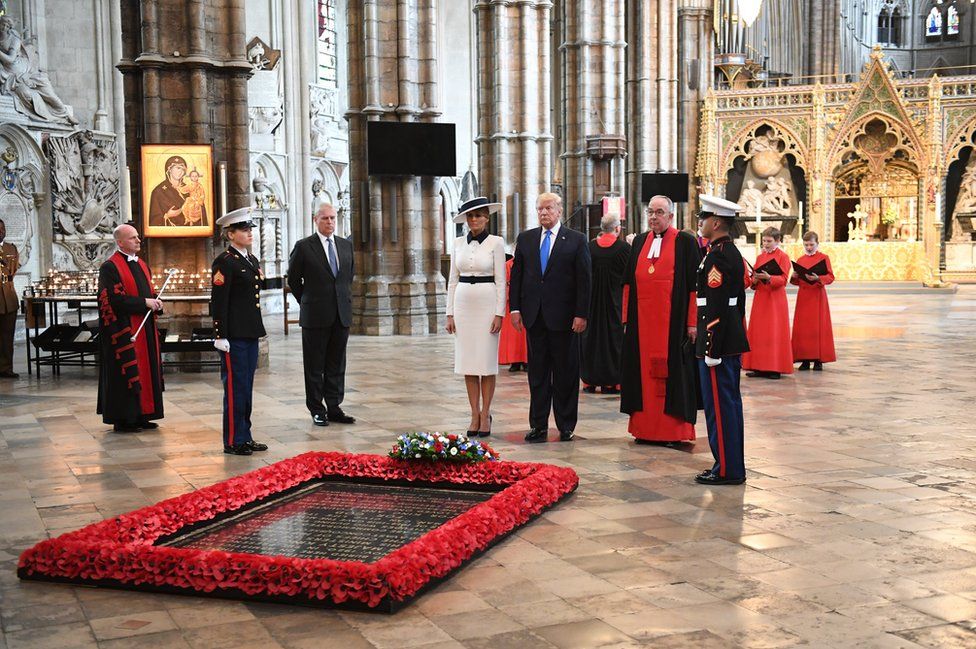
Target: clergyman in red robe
{"x":659,"y":386}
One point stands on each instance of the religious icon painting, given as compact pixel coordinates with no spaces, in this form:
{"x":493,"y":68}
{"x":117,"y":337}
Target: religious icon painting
{"x":177,"y":190}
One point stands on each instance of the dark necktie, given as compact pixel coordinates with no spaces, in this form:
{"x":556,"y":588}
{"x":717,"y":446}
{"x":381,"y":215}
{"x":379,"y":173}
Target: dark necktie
{"x":333,"y":260}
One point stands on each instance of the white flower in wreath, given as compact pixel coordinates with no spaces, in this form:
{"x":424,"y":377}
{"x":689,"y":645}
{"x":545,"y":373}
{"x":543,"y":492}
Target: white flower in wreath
{"x":417,"y":455}
{"x":453,"y":451}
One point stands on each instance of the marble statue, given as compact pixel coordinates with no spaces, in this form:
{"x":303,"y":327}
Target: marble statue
{"x":22,"y":79}
{"x":751,"y":199}
{"x":966,"y":202}
{"x":776,"y":197}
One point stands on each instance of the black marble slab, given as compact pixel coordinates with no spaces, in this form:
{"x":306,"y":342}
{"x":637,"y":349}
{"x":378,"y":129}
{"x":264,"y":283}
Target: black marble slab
{"x":345,"y":521}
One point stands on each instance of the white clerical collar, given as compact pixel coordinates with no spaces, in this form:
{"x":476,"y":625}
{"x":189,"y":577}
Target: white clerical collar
{"x":656,"y":240}
{"x":127,"y":256}
{"x":811,"y":254}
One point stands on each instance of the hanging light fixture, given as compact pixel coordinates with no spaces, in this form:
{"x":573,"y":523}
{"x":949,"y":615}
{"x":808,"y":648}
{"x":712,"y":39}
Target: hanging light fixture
{"x":749,"y":11}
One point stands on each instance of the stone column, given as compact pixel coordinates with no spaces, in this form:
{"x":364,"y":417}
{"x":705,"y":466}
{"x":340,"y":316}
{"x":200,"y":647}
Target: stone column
{"x":398,"y":288}
{"x":821,"y":40}
{"x":592,"y":53}
{"x":695,"y":54}
{"x":185,"y":81}
{"x":514,"y":106}
{"x":652,"y":81}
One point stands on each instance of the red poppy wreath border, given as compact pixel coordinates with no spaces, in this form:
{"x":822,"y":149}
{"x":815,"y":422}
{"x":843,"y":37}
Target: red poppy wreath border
{"x":120,"y":550}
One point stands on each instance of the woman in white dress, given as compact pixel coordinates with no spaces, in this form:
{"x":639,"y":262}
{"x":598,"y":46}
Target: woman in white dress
{"x":476,"y":307}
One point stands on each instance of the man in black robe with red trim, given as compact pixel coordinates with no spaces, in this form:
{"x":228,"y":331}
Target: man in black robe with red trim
{"x":130,"y":382}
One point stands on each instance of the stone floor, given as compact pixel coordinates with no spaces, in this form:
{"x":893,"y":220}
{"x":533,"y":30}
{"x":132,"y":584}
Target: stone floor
{"x":857,"y":527}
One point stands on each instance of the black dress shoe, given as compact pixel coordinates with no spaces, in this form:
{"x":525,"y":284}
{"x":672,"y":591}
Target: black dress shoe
{"x":711,"y":478}
{"x":754,"y":374}
{"x":126,"y":428}
{"x":485,"y":433}
{"x":589,"y":389}
{"x":566,"y":436}
{"x":9,"y":375}
{"x":773,"y":375}
{"x":804,"y":366}
{"x":148,"y":425}
{"x":537,"y":435}
{"x":256,"y":446}
{"x":818,"y":366}
{"x":238,"y":449}
{"x":706,"y":472}
{"x":514,"y":367}
{"x":610,"y":390}
{"x":320,"y":420}
{"x":340,"y":417}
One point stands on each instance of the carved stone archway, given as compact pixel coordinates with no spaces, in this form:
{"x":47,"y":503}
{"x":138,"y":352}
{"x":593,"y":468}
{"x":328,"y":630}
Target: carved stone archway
{"x":23,"y":197}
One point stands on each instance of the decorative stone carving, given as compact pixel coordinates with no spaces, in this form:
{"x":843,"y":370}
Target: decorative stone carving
{"x":261,"y":55}
{"x":751,"y":199}
{"x":776,"y":197}
{"x":84,"y":183}
{"x":263,"y":120}
{"x":22,"y":78}
{"x":84,"y":194}
{"x":324,"y":118}
{"x":19,"y":201}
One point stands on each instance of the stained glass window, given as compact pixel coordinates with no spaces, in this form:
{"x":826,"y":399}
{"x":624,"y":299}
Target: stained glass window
{"x":326,"y":43}
{"x":933,"y":23}
{"x":952,"y":22}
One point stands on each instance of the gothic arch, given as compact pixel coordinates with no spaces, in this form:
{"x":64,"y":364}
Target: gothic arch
{"x":328,"y":187}
{"x":907,"y":141}
{"x":793,"y":145}
{"x":266,"y":168}
{"x":24,"y":186}
{"x":962,"y":136}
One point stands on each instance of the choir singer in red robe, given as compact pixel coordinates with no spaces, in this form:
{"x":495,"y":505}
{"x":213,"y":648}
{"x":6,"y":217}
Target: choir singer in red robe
{"x":659,"y":382}
{"x":813,"y":333}
{"x":770,"y":354}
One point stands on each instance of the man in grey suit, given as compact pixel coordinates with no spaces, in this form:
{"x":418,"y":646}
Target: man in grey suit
{"x":320,"y":273}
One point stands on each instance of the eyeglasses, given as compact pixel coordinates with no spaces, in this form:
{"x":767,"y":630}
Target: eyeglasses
{"x":657,"y":212}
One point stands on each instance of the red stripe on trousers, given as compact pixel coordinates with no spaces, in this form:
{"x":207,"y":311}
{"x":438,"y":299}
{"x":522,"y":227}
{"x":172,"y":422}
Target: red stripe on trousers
{"x":230,"y":402}
{"x":718,"y":424}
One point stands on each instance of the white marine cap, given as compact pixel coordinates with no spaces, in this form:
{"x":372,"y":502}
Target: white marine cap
{"x":239,"y":217}
{"x":715,"y":206}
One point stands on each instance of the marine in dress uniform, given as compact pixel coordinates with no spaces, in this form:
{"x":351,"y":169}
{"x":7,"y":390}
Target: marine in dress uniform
{"x":9,"y":262}
{"x":235,"y":304}
{"x":721,"y":342}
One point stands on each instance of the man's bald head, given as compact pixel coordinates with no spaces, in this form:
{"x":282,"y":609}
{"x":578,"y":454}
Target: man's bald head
{"x":127,"y":239}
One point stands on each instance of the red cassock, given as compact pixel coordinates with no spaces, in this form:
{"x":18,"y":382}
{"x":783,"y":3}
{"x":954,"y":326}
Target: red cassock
{"x":813,"y":333}
{"x":769,"y":323}
{"x":511,"y":343}
{"x":654,"y":313}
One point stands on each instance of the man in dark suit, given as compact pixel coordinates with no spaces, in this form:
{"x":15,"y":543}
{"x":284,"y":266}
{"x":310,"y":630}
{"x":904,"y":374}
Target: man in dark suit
{"x":320,"y":273}
{"x":549,"y":294}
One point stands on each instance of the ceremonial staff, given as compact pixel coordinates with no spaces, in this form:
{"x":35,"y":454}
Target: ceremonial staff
{"x":169,"y":273}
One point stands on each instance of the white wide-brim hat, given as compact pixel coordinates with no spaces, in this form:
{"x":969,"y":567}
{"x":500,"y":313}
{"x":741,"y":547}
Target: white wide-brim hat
{"x":475,"y":204}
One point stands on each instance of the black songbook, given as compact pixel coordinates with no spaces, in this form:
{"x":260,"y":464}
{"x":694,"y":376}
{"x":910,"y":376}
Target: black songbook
{"x":770,"y":267}
{"x":820,"y":268}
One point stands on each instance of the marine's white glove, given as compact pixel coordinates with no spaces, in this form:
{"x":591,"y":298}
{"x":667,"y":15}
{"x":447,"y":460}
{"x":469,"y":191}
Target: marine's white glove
{"x":712,"y":362}
{"x":222,"y":344}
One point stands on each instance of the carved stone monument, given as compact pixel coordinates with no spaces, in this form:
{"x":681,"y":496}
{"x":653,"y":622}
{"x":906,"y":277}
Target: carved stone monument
{"x":22,"y":79}
{"x":84,"y":195}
